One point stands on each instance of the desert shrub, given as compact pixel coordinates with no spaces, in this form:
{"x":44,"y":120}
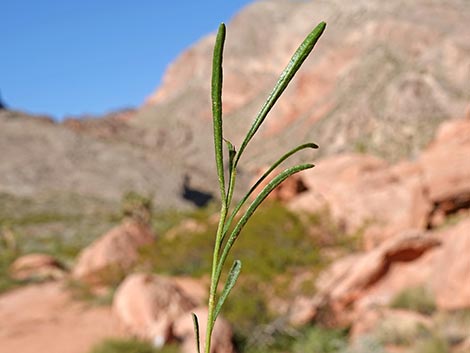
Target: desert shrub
{"x":275,"y":243}
{"x":275,"y":239}
{"x":454,"y":326}
{"x":248,"y":310}
{"x":320,"y":340}
{"x":6,"y":258}
{"x":401,"y":333}
{"x":130,"y":346}
{"x":137,"y":207}
{"x":419,"y":299}
{"x":313,"y":339}
{"x":364,"y":344}
{"x":83,"y":292}
{"x":433,"y":344}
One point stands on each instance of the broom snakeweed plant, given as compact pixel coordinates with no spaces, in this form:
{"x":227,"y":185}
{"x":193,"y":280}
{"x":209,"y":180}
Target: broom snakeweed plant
{"x":227,"y":234}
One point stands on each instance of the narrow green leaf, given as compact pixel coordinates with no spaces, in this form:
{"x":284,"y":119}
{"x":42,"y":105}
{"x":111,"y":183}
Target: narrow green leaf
{"x":231,"y":172}
{"x":231,"y":280}
{"x":196,"y":332}
{"x":217,"y":78}
{"x":278,"y":179}
{"x":261,"y":179}
{"x":231,"y":155}
{"x":284,"y":79}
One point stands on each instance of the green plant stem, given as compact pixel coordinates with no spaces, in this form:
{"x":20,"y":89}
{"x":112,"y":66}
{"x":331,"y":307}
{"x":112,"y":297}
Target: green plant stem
{"x":252,"y":208}
{"x":214,"y":278}
{"x":226,"y":191}
{"x":237,"y":208}
{"x":218,"y":144}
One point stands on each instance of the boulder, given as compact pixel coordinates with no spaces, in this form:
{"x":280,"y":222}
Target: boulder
{"x":111,"y":256}
{"x":360,"y":190}
{"x":196,"y":289}
{"x":353,"y":287}
{"x":36,"y":267}
{"x":401,"y":276}
{"x":349,"y":279}
{"x":222,"y":335}
{"x":446,"y":167}
{"x":147,"y":305}
{"x":450,"y":279}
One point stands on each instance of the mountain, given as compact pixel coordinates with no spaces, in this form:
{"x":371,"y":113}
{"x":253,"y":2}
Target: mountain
{"x":43,"y":157}
{"x":380,"y":80}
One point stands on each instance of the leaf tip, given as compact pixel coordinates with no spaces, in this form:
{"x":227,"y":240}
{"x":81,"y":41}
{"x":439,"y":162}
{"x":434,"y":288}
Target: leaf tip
{"x":196,"y":332}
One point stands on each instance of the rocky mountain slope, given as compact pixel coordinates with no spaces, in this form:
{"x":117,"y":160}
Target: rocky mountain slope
{"x":380,"y":80}
{"x":42,"y":157}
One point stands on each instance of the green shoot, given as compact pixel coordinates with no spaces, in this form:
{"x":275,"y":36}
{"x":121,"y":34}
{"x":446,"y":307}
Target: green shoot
{"x":227,"y":233}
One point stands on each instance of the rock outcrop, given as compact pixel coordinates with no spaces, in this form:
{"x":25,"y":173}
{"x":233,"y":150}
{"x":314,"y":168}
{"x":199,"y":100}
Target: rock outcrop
{"x":37,"y":267}
{"x":355,"y":286}
{"x":108,"y":258}
{"x":348,"y":279}
{"x":362,"y":191}
{"x":446,"y":169}
{"x":148,"y":305}
{"x":450,"y":278}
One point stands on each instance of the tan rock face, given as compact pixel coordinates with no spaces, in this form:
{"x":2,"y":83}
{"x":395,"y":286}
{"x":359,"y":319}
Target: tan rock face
{"x":147,"y":306}
{"x":353,"y":287}
{"x":362,"y":190}
{"x":446,"y":167}
{"x":183,"y":329}
{"x":347,"y":280}
{"x":113,"y":254}
{"x":37,"y":266}
{"x":401,"y":276}
{"x":451,"y":274}
{"x":196,"y":289}
{"x":361,"y":89}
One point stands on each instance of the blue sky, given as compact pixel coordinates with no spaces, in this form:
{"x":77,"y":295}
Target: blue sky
{"x":73,"y":57}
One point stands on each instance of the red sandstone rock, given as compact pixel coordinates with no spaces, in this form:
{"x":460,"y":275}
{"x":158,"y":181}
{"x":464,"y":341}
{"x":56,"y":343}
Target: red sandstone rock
{"x":451,"y":274}
{"x":113,"y":254}
{"x":361,"y":190}
{"x":37,"y":266}
{"x":147,"y":306}
{"x":196,"y":289}
{"x":349,"y":279}
{"x":446,"y":166}
{"x":402,"y":275}
{"x":355,"y":285}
